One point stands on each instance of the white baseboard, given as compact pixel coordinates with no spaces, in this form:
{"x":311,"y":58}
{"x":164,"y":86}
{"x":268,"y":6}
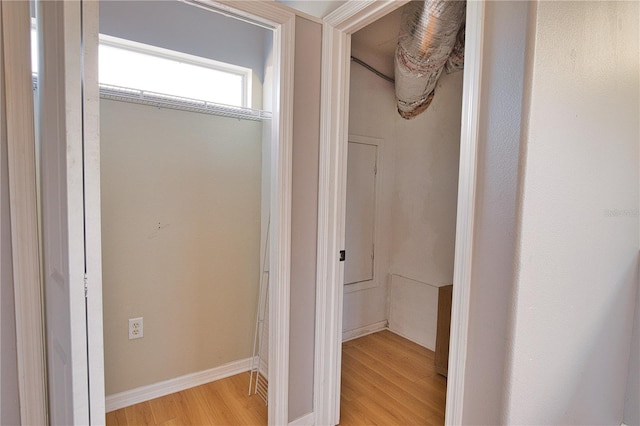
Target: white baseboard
{"x":166,"y":387}
{"x":306,"y":420}
{"x":411,"y":340}
{"x":363,"y":331}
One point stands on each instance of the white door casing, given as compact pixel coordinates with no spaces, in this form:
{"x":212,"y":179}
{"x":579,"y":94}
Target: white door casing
{"x":20,"y":230}
{"x":466,"y":212}
{"x":60,"y":113}
{"x":336,"y":49}
{"x":92,"y":210}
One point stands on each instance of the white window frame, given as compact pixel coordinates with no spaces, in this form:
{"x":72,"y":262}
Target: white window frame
{"x":147,"y":49}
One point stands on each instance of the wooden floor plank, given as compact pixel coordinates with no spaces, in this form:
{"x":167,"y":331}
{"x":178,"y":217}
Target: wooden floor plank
{"x":164,"y":409}
{"x":393,"y":392}
{"x":117,"y":418}
{"x":392,"y":356}
{"x":386,"y":380}
{"x":139,"y":414}
{"x":403,"y":376}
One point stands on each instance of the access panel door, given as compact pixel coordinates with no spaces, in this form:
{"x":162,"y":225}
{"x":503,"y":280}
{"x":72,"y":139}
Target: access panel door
{"x":361,"y":212}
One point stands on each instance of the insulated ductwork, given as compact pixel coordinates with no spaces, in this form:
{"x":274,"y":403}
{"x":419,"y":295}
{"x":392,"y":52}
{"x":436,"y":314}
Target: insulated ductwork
{"x":431,"y":39}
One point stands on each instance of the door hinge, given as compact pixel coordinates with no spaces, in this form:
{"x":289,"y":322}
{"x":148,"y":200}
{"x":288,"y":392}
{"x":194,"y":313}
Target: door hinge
{"x":343,"y":255}
{"x":375,"y":169}
{"x":86,"y":285}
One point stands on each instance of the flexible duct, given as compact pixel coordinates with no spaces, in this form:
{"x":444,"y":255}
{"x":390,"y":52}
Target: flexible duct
{"x":431,"y":39}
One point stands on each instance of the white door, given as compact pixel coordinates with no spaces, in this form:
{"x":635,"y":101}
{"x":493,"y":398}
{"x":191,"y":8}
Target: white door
{"x":60,"y":115}
{"x":361,"y":210}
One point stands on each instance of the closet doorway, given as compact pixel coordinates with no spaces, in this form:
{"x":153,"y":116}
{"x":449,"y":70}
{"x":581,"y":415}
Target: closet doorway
{"x":394,"y":320}
{"x":412,"y":290}
{"x":186,"y":205}
{"x":138,"y":154}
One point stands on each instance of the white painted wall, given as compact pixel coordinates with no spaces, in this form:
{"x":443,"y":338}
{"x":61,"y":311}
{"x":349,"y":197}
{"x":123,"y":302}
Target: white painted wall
{"x":426,"y":187}
{"x":576,"y":270}
{"x":413,"y":310}
{"x":503,"y":68}
{"x":304,"y":215}
{"x":419,"y":195}
{"x":631,"y":406}
{"x":180,"y":239}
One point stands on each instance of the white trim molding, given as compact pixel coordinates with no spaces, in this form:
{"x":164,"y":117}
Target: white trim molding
{"x":16,"y":116}
{"x":336,"y":49}
{"x":306,"y":420}
{"x":365,"y":331}
{"x":92,"y":211}
{"x":177,"y":384}
{"x":336,"y":46}
{"x":466,"y":212}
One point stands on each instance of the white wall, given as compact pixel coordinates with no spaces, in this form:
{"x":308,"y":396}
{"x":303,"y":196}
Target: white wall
{"x":503,"y":67}
{"x":576,"y":271}
{"x":180,"y":239}
{"x":304,"y":215}
{"x":418,"y":208}
{"x":426,"y":187}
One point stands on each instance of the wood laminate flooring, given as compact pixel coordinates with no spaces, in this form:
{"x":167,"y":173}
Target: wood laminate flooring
{"x":386,"y":380}
{"x":223,"y":402}
{"x":389,"y":380}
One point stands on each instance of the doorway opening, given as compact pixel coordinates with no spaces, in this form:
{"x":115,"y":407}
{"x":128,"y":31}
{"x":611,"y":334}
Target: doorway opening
{"x":185,"y":172}
{"x":411,"y":280}
{"x":414,"y":234}
{"x":174,"y":153}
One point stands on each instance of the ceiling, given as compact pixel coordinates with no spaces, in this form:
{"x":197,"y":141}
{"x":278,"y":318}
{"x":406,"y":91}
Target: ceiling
{"x":376,"y":43}
{"x":317,"y":8}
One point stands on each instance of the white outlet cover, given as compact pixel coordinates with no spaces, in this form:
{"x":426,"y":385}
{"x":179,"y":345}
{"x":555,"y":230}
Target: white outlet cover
{"x":136,"y":328}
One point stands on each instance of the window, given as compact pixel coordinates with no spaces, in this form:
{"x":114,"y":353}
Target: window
{"x":136,"y":69}
{"x":147,"y":68}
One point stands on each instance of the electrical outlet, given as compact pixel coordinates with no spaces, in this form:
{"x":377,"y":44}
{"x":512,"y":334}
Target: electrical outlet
{"x":135,"y":328}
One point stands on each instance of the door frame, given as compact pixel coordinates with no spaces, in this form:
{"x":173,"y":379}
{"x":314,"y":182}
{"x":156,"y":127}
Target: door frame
{"x":21,"y":235}
{"x":336,"y":49}
{"x":82,"y":45}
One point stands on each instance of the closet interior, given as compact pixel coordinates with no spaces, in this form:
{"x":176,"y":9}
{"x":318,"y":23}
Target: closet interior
{"x":402,"y":179}
{"x":185,"y":152}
